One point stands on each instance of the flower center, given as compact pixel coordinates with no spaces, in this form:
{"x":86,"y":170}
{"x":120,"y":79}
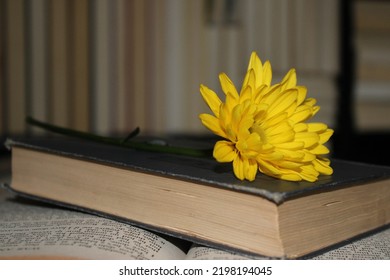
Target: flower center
{"x":242,"y":146}
{"x":260,"y":131}
{"x":245,"y":149}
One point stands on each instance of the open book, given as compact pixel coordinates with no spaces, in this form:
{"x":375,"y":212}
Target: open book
{"x":33,"y":230}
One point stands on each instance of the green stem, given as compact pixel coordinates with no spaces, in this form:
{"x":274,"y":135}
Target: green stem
{"x":120,"y":142}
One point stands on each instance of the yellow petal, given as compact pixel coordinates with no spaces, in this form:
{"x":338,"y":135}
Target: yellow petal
{"x":287,"y":136}
{"x":300,"y":127}
{"x":272,"y":95}
{"x":230,"y":102}
{"x":302,"y":91}
{"x":310,"y":102}
{"x":309,"y":173}
{"x":243,"y":128}
{"x":309,"y":138}
{"x":280,"y":128}
{"x":250,"y":169}
{"x":244,"y":168}
{"x":322,"y":166}
{"x":236,"y":118}
{"x":293,"y":155}
{"x":270,"y":156}
{"x":301,"y":114}
{"x":212,"y":123}
{"x":286,"y":100}
{"x":324,"y":137}
{"x":259,"y":93}
{"x":246,"y":93}
{"x":239,"y":168}
{"x":224,"y":115}
{"x":267,"y":148}
{"x":278,"y":172}
{"x":250,"y":80}
{"x":211,"y":99}
{"x":266,"y":167}
{"x":296,"y":145}
{"x":291,"y":177}
{"x":319,"y":150}
{"x":286,"y":164}
{"x":309,"y":157}
{"x":261,"y":111}
{"x":227,"y":85}
{"x":267,"y":73}
{"x":271,"y":122}
{"x":224,"y":151}
{"x":242,"y":118}
{"x":290,"y":80}
{"x":231,"y":133}
{"x":255,"y":63}
{"x":315,"y":110}
{"x":316,"y":127}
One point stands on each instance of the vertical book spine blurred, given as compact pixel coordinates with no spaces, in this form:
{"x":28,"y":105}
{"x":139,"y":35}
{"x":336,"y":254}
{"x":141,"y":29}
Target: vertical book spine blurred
{"x":15,"y":66}
{"x":79,"y":69}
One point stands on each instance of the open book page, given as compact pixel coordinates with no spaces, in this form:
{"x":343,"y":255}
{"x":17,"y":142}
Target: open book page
{"x":29,"y":231}
{"x":35,"y":231}
{"x":205,"y":253}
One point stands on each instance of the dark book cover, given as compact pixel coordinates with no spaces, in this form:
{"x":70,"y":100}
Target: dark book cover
{"x":204,"y":170}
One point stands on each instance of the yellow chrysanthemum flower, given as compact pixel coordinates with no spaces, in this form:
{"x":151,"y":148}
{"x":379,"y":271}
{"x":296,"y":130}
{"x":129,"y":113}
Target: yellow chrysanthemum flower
{"x":265,"y":127}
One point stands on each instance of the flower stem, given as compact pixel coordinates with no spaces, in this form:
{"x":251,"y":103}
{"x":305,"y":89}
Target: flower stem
{"x":120,"y":142}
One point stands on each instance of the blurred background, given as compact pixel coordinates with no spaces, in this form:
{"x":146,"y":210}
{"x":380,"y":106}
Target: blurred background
{"x":108,"y":66}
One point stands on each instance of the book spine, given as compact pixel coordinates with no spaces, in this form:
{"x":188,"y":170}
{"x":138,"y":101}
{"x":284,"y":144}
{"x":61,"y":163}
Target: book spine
{"x":160,"y":25}
{"x":79,"y":74}
{"x":100,"y":66}
{"x":128,"y":65}
{"x":121,"y":46}
{"x":2,"y":66}
{"x":59,"y":61}
{"x":15,"y":67}
{"x":139,"y":67}
{"x":194,"y":102}
{"x":150,"y":71}
{"x":37,"y":60}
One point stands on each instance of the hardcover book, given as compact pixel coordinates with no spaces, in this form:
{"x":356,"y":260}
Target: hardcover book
{"x":200,"y":200}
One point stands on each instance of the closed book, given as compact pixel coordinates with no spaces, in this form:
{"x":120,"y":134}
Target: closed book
{"x":200,"y":200}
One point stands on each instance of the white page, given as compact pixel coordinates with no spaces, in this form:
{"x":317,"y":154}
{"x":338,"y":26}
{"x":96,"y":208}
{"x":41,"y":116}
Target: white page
{"x":31,"y":231}
{"x":206,"y":253}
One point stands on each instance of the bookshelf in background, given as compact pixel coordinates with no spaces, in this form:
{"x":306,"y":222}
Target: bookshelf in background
{"x":109,"y":66}
{"x":372,"y":31}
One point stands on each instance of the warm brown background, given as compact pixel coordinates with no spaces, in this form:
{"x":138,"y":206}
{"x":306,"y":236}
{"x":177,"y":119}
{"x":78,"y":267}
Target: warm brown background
{"x":109,"y":66}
